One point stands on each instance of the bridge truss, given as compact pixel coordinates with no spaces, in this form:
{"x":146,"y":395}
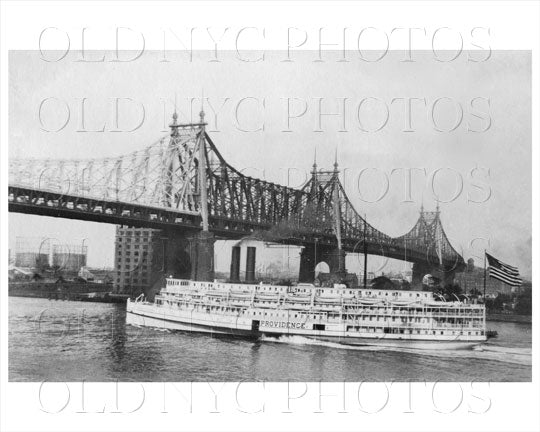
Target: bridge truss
{"x":160,"y":187}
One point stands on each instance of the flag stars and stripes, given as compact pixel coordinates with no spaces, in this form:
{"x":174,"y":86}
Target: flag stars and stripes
{"x":503,"y":272}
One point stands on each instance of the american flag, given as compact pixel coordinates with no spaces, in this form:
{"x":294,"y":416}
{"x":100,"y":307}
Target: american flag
{"x":503,"y":272}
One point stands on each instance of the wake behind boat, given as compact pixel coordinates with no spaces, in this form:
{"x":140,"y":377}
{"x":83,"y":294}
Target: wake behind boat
{"x":396,"y":318}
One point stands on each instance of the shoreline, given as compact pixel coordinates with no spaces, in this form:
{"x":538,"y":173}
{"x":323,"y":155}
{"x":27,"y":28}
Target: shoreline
{"x":95,"y":297}
{"x":513,"y":318}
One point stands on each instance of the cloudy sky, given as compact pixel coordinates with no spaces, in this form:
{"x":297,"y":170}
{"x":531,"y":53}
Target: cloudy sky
{"x":467,"y":138}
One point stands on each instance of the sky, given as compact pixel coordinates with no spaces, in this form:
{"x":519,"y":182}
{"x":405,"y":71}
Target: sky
{"x":466,"y":140}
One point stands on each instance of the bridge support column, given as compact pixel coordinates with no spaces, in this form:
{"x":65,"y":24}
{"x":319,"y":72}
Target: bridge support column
{"x":419,"y":270}
{"x":170,"y":257}
{"x":202,"y":256}
{"x":335,"y":258}
{"x":310,"y":257}
{"x":235,"y":264}
{"x":307,"y":265}
{"x":447,"y":275}
{"x":444,"y":274}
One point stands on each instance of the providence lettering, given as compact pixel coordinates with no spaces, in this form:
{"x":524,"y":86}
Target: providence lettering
{"x":283,"y":324}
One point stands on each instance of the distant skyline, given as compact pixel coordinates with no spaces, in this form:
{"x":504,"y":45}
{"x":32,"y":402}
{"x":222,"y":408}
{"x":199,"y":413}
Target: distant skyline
{"x":494,"y":164}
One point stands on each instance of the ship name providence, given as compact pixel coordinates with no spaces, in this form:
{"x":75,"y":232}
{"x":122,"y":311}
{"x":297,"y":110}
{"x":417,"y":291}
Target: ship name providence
{"x":283,"y":324}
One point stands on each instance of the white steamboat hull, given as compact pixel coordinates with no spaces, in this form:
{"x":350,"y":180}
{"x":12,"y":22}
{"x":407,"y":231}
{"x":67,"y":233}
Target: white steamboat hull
{"x":148,"y":315}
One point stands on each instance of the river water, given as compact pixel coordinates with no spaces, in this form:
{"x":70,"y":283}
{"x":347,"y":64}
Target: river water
{"x":74,"y":341}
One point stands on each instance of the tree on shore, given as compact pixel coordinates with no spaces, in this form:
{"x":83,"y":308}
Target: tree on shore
{"x":524,"y":302}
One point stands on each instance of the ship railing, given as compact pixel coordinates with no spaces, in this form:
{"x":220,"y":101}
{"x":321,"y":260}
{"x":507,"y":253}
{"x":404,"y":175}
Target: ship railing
{"x":216,"y":293}
{"x":401,"y":317}
{"x":454,"y":314}
{"x":327,"y":306}
{"x":290,"y":300}
{"x":413,"y":312}
{"x":269,"y":296}
{"x":416,"y":326}
{"x":456,"y":306}
{"x":298,"y":306}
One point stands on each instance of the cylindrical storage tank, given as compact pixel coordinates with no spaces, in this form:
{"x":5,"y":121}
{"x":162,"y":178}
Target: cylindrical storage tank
{"x":250,"y":264}
{"x":235,"y":264}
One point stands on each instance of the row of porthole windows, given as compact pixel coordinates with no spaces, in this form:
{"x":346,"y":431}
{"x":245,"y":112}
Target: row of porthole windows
{"x":277,"y":315}
{"x":407,"y":331}
{"x":396,"y":293}
{"x":177,"y":282}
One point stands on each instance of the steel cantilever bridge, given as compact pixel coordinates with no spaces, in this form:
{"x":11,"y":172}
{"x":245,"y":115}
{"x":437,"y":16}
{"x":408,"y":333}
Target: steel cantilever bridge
{"x":182,"y":185}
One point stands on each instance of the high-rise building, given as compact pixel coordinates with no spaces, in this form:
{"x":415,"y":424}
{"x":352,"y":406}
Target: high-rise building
{"x":133,"y":259}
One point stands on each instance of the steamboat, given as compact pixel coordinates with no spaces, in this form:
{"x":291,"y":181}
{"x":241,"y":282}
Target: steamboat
{"x":351,"y":316}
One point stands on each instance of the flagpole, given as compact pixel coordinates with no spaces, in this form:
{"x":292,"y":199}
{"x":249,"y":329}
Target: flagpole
{"x":365,"y":254}
{"x":485,"y":276}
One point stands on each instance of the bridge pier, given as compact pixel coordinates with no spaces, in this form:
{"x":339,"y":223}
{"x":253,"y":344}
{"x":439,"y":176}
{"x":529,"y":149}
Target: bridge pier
{"x":182,"y":256}
{"x":444,"y":273}
{"x":335,"y":258}
{"x":448,"y":276}
{"x":419,"y":270}
{"x":170,"y":257}
{"x":202,"y":256}
{"x":312,"y":255}
{"x":307,"y":265}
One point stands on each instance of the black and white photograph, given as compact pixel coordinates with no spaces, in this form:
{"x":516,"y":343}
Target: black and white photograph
{"x":192,"y":205}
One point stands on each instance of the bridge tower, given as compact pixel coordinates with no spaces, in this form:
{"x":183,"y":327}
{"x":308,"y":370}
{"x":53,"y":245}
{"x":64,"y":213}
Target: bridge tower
{"x":324,"y":184}
{"x":202,"y":243}
{"x":337,"y":256}
{"x":429,"y":234}
{"x":197,"y":247}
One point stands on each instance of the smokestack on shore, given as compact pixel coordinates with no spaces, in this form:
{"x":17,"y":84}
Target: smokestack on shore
{"x":250,"y":264}
{"x":235,"y":264}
